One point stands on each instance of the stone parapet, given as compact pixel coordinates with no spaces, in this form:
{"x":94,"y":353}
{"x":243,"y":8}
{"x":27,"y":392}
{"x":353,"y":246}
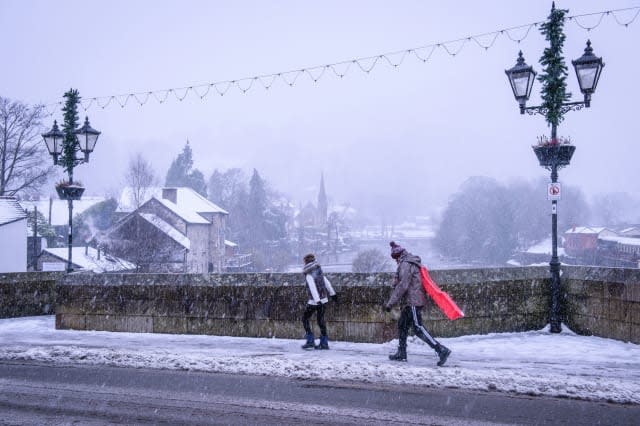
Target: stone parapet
{"x":597,"y":301}
{"x":28,"y":293}
{"x":603,"y":302}
{"x":271,"y":305}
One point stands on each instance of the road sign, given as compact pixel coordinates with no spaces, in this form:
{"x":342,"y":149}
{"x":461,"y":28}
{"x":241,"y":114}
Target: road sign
{"x":553,"y":191}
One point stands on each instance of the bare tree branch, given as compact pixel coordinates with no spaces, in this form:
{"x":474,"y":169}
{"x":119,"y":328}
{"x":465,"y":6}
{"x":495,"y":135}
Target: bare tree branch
{"x":24,"y":163}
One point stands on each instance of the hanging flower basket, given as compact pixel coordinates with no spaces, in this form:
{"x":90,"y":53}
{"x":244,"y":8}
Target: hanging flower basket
{"x":560,"y":155}
{"x":69,"y":190}
{"x":554,"y":151}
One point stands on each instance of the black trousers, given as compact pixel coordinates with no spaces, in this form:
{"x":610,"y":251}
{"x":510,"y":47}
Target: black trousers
{"x":411,"y":316}
{"x":308,"y":312}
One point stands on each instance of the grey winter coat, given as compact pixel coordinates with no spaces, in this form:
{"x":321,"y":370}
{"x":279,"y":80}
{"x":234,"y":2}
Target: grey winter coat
{"x":408,"y":288}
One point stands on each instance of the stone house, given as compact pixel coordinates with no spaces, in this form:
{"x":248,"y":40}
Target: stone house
{"x":176,"y":230}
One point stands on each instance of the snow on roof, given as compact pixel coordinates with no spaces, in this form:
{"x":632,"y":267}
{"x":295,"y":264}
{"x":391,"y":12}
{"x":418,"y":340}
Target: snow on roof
{"x":10,"y":210}
{"x":185,"y":213}
{"x":60,"y":208}
{"x":630,"y":241}
{"x":186,"y":199}
{"x":230,"y":244}
{"x":585,"y":230}
{"x":633,"y":230}
{"x":167,"y":229}
{"x":87,"y":258}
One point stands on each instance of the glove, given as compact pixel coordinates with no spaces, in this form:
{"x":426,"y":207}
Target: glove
{"x":334,"y":298}
{"x":387,"y":308}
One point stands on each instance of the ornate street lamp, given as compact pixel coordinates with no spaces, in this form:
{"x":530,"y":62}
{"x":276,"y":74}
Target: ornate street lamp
{"x":54,"y":139}
{"x":63,"y":147}
{"x":87,"y":138}
{"x":521,"y":78}
{"x":588,"y":69}
{"x":555,"y":153}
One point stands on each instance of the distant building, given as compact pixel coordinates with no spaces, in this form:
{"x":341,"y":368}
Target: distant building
{"x":13,"y":234}
{"x":603,"y":246}
{"x":323,"y":206}
{"x":582,"y":241}
{"x":178,"y":231}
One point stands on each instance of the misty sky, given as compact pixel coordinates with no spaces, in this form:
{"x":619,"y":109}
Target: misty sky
{"x":410,"y":133}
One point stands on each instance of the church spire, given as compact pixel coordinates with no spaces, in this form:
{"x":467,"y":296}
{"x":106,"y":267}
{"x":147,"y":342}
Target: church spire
{"x":322,"y":203}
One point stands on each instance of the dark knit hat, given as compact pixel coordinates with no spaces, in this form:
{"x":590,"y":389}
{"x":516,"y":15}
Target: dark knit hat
{"x":309,"y":258}
{"x":396,"y":250}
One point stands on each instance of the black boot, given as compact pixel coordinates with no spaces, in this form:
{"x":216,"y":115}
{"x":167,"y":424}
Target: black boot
{"x":324,"y":343}
{"x":443,"y":353}
{"x":310,"y":344}
{"x":400,"y":355}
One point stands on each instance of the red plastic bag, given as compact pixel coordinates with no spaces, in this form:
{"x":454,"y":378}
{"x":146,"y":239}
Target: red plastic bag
{"x":442,"y":299}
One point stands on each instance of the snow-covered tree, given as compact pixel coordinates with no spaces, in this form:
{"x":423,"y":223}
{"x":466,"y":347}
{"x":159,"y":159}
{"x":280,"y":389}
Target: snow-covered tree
{"x":140,"y":177}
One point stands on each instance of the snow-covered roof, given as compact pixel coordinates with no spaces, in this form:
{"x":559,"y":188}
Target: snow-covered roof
{"x":186,"y":199}
{"x":87,"y":258}
{"x":230,"y":244}
{"x":633,"y":230}
{"x":585,"y":230}
{"x":167,"y":229}
{"x":623,"y":240}
{"x":186,"y":214}
{"x":60,"y":208}
{"x":10,"y":210}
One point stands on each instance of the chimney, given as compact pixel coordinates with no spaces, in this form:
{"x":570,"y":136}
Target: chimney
{"x":98,"y":252}
{"x":170,"y":194}
{"x":86,"y":249}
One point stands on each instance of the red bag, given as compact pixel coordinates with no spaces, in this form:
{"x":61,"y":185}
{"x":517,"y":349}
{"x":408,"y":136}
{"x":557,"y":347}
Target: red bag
{"x":442,"y":299}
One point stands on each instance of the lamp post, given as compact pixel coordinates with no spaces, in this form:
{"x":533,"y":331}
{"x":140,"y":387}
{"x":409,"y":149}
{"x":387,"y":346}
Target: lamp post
{"x":555,"y":153}
{"x":63,"y":145}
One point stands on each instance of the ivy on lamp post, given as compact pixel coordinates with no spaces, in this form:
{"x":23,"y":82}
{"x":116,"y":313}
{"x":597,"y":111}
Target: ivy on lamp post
{"x":554,"y":153}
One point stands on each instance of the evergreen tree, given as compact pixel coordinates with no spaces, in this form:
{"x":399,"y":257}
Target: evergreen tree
{"x":256,"y":208}
{"x":181,"y":173}
{"x":554,"y":75}
{"x":44,"y":229}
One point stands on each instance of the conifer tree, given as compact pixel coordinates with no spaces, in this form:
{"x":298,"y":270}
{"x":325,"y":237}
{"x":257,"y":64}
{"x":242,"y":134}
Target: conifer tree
{"x":181,"y":172}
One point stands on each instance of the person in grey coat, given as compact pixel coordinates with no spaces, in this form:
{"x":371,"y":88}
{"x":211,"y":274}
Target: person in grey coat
{"x":319,"y":290}
{"x":409,"y":292}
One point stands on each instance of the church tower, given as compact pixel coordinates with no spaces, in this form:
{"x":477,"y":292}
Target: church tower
{"x":322,"y":203}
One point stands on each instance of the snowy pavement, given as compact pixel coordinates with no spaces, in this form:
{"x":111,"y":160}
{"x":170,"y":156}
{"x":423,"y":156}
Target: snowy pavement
{"x":533,"y":363}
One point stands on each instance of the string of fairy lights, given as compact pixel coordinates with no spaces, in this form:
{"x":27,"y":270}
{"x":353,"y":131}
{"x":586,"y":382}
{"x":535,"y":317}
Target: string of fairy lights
{"x":367,"y":64}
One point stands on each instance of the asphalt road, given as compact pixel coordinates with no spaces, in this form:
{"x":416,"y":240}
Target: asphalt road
{"x":32,"y":393}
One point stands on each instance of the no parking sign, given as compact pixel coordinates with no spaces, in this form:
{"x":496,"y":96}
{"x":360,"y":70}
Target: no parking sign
{"x":553,"y":191}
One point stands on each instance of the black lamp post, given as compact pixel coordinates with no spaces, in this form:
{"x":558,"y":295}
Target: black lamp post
{"x":554,"y":153}
{"x":63,"y":147}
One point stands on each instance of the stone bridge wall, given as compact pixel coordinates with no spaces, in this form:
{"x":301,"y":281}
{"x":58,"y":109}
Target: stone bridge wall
{"x":603,"y":302}
{"x":271,"y":305}
{"x":28,"y":293}
{"x":598,"y":301}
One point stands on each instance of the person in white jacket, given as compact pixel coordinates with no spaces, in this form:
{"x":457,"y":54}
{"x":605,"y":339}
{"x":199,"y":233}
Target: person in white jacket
{"x":320,"y":290}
